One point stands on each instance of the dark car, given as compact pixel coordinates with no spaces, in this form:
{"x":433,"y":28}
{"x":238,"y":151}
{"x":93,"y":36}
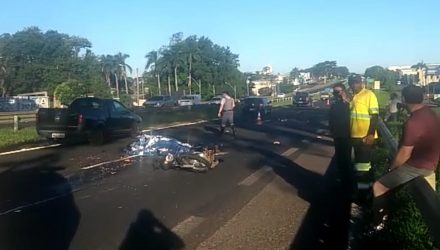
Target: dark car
{"x":251,"y":106}
{"x":302,"y":99}
{"x":160,"y":102}
{"x":92,"y":119}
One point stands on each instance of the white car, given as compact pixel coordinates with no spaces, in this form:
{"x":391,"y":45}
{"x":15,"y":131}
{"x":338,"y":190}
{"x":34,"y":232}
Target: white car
{"x":189,"y":100}
{"x":281,"y":95}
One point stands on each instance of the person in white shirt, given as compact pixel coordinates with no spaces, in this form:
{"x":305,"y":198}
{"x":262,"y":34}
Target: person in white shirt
{"x":226,"y":112}
{"x":392,"y":108}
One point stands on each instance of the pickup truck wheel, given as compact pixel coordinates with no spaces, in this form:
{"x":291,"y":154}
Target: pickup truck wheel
{"x":97,"y":137}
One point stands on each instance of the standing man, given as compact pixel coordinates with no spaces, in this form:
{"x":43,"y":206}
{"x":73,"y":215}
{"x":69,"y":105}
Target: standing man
{"x":339,"y":123}
{"x":392,"y":108}
{"x":364,"y":110}
{"x":418,"y":153}
{"x":226,"y":112}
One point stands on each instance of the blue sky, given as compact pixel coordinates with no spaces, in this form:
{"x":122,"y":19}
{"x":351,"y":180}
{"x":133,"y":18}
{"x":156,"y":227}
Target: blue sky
{"x":283,"y":33}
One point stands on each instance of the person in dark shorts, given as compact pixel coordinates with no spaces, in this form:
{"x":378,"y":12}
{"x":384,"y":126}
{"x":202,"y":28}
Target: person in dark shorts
{"x":226,"y":113}
{"x":418,"y":153}
{"x":339,"y":124}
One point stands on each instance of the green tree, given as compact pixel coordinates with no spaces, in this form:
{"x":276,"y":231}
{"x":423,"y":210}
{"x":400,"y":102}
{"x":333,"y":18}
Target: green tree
{"x":152,"y":66}
{"x":294,"y":73}
{"x":68,"y":91}
{"x":387,"y":77}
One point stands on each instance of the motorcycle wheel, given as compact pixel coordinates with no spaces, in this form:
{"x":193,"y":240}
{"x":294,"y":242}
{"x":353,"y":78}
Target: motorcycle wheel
{"x":194,"y":162}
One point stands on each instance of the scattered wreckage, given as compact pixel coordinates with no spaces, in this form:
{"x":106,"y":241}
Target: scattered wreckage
{"x":169,"y":153}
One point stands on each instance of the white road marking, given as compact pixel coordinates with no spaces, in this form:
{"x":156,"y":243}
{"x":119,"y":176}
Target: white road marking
{"x":251,"y":179}
{"x":29,"y":149}
{"x":108,"y":162}
{"x":185,"y":227}
{"x":175,"y":126}
{"x":289,"y":152}
{"x":32,"y":204}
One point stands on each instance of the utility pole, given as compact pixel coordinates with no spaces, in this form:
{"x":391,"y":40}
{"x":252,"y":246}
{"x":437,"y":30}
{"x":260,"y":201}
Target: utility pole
{"x":234,"y":88}
{"x":247,"y":85}
{"x":189,"y":73}
{"x":137,"y":86}
{"x":169,"y":85}
{"x":158,"y":84}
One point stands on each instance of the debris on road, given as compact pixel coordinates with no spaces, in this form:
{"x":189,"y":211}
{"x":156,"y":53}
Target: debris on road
{"x":171,"y":153}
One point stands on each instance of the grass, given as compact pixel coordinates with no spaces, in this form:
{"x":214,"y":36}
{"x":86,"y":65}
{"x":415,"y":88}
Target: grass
{"x":383,"y":97}
{"x":437,"y":110}
{"x":280,"y":104}
{"x":9,"y":138}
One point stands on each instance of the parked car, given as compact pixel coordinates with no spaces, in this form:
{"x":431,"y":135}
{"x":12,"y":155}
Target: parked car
{"x":281,"y":95}
{"x":160,"y":101}
{"x":215,"y":100}
{"x":251,"y":106}
{"x":88,"y":118}
{"x":302,"y":99}
{"x":189,"y":100}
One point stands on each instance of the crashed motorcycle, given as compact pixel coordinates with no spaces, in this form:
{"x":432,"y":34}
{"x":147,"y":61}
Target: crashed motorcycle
{"x":168,"y":153}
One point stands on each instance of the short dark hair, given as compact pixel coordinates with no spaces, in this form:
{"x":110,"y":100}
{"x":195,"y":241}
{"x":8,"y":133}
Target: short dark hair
{"x":413,"y":94}
{"x":226,"y":92}
{"x":340,"y":85}
{"x":355,"y":78}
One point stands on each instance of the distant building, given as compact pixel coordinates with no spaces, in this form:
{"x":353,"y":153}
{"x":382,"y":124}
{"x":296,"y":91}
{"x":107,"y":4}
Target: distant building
{"x":424,"y":76}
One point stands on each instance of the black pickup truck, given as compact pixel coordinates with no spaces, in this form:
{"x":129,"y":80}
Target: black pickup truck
{"x":87,"y":118}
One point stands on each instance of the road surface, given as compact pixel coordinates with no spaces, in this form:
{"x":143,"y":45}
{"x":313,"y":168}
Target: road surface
{"x":275,"y":186}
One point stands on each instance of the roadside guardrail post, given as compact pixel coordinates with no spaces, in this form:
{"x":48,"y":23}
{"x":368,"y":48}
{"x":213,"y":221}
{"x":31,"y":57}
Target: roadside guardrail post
{"x":16,"y":122}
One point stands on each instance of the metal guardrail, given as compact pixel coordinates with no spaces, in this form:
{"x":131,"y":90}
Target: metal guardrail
{"x":426,"y":199}
{"x":7,"y":118}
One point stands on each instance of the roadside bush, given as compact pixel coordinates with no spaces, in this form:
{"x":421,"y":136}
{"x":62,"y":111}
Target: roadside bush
{"x":405,"y":228}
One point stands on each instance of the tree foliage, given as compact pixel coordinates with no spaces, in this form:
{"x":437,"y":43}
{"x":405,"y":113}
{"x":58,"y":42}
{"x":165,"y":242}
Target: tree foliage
{"x":32,"y":60}
{"x":191,"y":61}
{"x":68,"y":91}
{"x":328,"y":69}
{"x":387,"y":77}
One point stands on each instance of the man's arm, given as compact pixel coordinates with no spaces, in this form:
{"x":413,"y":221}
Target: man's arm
{"x":374,"y":120}
{"x":373,"y":110}
{"x":402,"y":156}
{"x":220,"y":110}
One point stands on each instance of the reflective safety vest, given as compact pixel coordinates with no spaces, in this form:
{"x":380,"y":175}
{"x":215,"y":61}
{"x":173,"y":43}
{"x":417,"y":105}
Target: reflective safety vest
{"x":363,"y":105}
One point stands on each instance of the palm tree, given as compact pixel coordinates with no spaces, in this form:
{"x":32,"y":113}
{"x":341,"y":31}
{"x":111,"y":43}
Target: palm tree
{"x":152,"y":64}
{"x":123,"y":67}
{"x":2,"y":75}
{"x":106,"y":67}
{"x":174,"y":59}
{"x":192,"y":54}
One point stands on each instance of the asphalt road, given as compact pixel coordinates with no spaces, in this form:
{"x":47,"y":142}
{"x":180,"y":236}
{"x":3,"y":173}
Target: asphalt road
{"x":62,"y":198}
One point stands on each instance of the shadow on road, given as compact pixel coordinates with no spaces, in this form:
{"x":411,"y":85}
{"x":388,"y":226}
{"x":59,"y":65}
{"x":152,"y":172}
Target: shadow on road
{"x":37,"y":209}
{"x":326,"y":223}
{"x":147,"y":232}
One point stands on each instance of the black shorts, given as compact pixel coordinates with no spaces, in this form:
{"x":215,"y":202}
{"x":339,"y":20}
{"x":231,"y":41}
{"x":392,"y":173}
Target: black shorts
{"x":362,"y":151}
{"x":402,"y":175}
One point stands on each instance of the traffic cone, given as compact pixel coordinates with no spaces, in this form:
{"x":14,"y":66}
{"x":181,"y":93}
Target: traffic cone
{"x":259,"y":121}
